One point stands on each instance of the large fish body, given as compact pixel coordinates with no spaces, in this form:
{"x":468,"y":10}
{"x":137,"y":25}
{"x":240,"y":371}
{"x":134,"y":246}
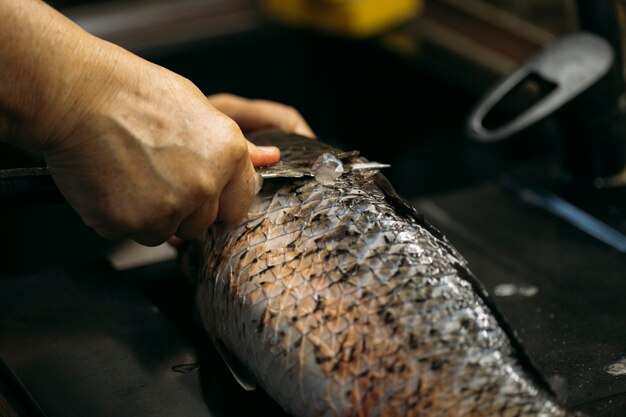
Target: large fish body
{"x":339,"y":300}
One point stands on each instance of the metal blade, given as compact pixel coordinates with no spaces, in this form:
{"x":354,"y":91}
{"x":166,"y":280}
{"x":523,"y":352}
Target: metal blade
{"x":27,"y":186}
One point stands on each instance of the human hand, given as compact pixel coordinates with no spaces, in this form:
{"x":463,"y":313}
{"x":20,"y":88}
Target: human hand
{"x":257,"y":114}
{"x":253,"y":115}
{"x":137,"y":150}
{"x":147,"y":156}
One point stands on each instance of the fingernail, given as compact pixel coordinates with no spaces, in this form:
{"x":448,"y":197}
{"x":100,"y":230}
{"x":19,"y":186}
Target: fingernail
{"x":267,"y":149}
{"x":258,"y":183}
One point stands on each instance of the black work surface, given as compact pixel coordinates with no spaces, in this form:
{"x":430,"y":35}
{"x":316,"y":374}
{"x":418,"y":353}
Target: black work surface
{"x":91,"y":341}
{"x":575,"y":325}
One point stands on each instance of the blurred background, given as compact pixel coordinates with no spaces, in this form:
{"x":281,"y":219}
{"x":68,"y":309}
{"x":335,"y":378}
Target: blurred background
{"x":396,"y":80}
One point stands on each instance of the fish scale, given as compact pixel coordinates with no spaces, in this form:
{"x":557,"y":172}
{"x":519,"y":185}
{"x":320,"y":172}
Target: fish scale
{"x":338,"y":301}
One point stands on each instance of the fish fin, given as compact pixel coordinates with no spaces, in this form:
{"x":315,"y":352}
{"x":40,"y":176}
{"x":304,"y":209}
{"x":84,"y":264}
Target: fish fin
{"x":404,"y":207}
{"x":239,"y":371}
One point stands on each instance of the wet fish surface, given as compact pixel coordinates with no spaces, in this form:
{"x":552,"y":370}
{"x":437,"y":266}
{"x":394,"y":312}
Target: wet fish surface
{"x":341,"y":300}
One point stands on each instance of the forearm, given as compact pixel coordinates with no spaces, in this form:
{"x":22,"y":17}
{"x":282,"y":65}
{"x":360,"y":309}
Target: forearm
{"x":43,"y":57}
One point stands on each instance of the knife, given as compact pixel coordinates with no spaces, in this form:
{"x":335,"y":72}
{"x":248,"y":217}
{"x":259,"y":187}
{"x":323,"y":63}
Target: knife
{"x":28,"y":186}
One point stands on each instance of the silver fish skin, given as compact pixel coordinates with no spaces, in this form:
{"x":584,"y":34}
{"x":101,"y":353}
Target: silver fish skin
{"x":339,"y":300}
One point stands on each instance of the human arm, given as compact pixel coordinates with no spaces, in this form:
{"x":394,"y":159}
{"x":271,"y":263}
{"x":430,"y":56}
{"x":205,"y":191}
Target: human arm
{"x":137,"y":150}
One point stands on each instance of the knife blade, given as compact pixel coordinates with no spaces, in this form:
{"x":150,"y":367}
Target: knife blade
{"x":35,"y":185}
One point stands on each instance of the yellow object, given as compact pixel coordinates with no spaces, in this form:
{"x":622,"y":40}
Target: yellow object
{"x":357,"y":18}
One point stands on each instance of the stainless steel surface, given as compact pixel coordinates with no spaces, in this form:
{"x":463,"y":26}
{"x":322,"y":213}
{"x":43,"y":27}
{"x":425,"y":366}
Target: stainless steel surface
{"x":571,"y":65}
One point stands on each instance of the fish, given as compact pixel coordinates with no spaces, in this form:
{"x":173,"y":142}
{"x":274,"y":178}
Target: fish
{"x":341,"y":299}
